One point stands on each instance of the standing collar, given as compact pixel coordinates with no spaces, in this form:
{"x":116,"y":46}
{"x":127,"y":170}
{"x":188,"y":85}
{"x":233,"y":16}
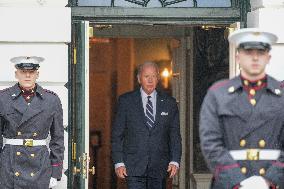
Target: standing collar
{"x":260,"y":83}
{"x":272,"y":85}
{"x":16,"y":91}
{"x":27,"y":92}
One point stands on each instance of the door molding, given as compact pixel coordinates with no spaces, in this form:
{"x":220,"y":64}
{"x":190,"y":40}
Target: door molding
{"x":172,"y":18}
{"x":181,"y":16}
{"x":79,"y":107}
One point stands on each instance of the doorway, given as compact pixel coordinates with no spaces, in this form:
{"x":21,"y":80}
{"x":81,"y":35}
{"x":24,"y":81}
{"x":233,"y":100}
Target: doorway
{"x":113,"y":63}
{"x":185,"y":55}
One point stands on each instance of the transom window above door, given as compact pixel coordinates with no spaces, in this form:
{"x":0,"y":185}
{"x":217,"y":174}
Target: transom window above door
{"x":157,"y":3}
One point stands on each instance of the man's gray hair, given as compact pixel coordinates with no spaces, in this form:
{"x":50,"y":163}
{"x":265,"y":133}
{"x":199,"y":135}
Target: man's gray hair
{"x":148,"y":63}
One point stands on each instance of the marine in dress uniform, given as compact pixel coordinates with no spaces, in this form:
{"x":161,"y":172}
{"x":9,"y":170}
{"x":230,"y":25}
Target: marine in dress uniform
{"x":29,"y":114}
{"x":242,"y":120}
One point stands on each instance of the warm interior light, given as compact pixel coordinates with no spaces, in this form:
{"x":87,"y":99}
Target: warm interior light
{"x":166,"y":73}
{"x":94,"y":40}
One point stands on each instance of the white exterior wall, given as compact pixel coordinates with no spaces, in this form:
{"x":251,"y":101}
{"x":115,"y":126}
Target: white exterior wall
{"x":267,"y":14}
{"x":38,"y":28}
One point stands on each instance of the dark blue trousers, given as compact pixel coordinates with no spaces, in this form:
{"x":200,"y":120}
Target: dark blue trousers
{"x":145,"y":182}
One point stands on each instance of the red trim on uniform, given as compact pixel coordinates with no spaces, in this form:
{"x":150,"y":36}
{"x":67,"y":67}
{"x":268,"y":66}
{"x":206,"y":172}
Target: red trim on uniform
{"x":218,"y":85}
{"x":56,"y":165}
{"x":253,"y":85}
{"x":255,"y":81}
{"x":256,"y":88}
{"x":221,"y":168}
{"x":272,"y":186}
{"x":278,"y":163}
{"x":237,"y":186}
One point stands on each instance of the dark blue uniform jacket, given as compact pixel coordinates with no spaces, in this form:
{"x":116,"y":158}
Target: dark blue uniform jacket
{"x":228,"y":121}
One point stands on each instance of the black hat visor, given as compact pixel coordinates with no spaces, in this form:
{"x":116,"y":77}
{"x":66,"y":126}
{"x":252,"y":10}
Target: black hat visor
{"x":27,"y":66}
{"x":254,"y":45}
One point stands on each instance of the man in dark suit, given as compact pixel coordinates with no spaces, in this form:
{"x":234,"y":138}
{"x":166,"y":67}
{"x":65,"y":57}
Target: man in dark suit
{"x":242,"y":120}
{"x":146,"y":141}
{"x":28,"y":114}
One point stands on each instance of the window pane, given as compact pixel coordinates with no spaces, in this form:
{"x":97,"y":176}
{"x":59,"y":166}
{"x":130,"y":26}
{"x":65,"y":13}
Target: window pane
{"x":213,"y":3}
{"x":123,"y":3}
{"x":154,"y":3}
{"x":94,"y":2}
{"x":188,"y":3}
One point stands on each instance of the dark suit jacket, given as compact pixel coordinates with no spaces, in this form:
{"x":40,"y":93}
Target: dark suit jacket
{"x":142,"y":148}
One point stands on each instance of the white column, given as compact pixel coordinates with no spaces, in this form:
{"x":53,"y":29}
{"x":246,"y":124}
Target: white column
{"x":267,"y":14}
{"x":38,"y":28}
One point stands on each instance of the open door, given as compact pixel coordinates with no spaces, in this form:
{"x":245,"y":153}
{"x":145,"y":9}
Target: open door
{"x":234,"y":68}
{"x":181,"y":53}
{"x":79,"y":107}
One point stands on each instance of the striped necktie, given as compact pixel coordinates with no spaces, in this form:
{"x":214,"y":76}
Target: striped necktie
{"x":149,"y":113}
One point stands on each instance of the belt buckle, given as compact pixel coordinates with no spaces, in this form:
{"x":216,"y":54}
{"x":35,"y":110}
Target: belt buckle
{"x":253,"y":154}
{"x":28,"y":142}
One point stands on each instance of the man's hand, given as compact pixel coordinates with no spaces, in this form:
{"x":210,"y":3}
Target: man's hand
{"x":172,"y":170}
{"x":121,"y":172}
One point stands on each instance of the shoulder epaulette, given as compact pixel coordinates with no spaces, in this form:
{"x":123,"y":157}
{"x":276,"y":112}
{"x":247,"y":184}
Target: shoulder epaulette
{"x":51,"y":92}
{"x":218,"y":85}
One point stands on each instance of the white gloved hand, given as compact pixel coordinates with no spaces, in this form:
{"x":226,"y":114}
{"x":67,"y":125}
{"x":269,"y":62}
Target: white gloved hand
{"x":52,"y":182}
{"x":254,"y":182}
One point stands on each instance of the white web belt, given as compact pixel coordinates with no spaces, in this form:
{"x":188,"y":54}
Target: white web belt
{"x":255,"y":154}
{"x":24,"y":142}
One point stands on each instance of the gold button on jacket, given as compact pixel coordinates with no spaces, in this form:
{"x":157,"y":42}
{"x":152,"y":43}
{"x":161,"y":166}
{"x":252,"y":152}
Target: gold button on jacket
{"x":253,"y":102}
{"x":262,"y":171}
{"x":242,"y":143}
{"x":261,"y":143}
{"x":244,"y":170}
{"x":252,"y":92}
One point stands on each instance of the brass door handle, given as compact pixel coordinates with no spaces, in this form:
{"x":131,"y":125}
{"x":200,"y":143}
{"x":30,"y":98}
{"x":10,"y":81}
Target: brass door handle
{"x":83,"y":166}
{"x":76,"y":170}
{"x":92,"y":170}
